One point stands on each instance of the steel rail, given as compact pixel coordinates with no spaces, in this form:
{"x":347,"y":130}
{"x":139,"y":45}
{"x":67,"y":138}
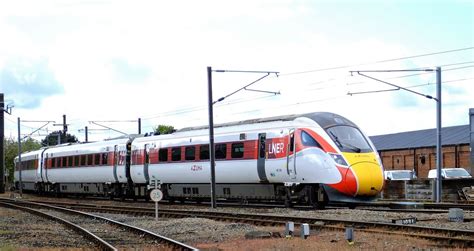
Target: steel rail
{"x":174,"y":244}
{"x":104,"y":245}
{"x":464,"y":238}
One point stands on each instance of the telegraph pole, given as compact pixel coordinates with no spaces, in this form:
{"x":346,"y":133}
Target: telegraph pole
{"x":19,"y":159}
{"x":439,"y":154}
{"x":211,"y":138}
{"x":139,"y":125}
{"x":86,"y":134}
{"x":2,"y":154}
{"x":2,"y":137}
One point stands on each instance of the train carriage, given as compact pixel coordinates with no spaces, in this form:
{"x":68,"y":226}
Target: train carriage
{"x":93,"y":168}
{"x":31,"y":173}
{"x":290,"y":158}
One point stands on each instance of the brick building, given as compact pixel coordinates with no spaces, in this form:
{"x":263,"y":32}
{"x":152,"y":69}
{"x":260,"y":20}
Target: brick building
{"x":416,"y":150}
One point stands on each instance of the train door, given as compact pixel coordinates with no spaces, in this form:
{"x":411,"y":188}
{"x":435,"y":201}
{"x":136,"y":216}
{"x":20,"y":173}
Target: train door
{"x":41,"y":167}
{"x":261,"y":157}
{"x":115,"y":162}
{"x":291,"y":155}
{"x":146,"y":162}
{"x":44,"y":173}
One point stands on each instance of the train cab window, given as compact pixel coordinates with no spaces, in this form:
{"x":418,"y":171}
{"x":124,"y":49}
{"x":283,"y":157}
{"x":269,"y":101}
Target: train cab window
{"x":97,"y":159}
{"x":176,"y":154}
{"x":221,"y":151}
{"x":90,"y":159}
{"x":163,"y":155}
{"x":307,"y":140}
{"x":190,"y":153}
{"x":237,"y":150}
{"x":76,"y":160}
{"x":104,"y":158}
{"x":204,"y":152}
{"x":83,"y":160}
{"x":70,"y":160}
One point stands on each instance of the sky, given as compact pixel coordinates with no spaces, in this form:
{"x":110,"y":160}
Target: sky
{"x":106,"y":63}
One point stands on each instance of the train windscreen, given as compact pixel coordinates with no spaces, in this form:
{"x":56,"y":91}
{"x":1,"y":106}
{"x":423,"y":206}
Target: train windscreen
{"x":349,"y":139}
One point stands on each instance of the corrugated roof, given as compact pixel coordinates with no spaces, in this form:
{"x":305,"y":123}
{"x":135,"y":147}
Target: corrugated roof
{"x":453,"y":135}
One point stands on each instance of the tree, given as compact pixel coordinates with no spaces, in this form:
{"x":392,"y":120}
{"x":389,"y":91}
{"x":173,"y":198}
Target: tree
{"x":164,"y":129}
{"x":52,"y":138}
{"x":11,"y":151}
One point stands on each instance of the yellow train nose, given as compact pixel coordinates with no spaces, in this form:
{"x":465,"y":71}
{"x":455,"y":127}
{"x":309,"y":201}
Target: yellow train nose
{"x":367,"y":171}
{"x":369,"y":178}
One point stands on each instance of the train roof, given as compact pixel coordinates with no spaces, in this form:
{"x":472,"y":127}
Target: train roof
{"x":324,"y":119}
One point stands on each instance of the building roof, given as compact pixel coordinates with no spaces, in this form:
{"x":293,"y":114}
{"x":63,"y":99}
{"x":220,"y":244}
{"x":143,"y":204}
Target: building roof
{"x":453,"y":135}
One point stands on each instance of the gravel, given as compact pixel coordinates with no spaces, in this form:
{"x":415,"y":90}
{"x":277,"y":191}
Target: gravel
{"x":23,"y":230}
{"x":205,"y":233}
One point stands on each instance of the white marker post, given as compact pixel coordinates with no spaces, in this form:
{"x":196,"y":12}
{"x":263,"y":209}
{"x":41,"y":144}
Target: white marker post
{"x":156,"y":195}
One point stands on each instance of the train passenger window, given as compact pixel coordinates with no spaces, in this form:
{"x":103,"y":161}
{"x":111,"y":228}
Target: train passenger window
{"x":204,"y":152}
{"x":104,"y":158}
{"x":64,"y":164}
{"x":90,"y":159}
{"x":70,"y":160}
{"x":163,"y":155}
{"x":176,"y":154}
{"x":189,"y":153}
{"x":221,"y":151}
{"x":97,"y":159}
{"x":237,"y":150}
{"x":307,"y":140}
{"x":83,"y":160}
{"x":53,"y":162}
{"x":76,"y":160}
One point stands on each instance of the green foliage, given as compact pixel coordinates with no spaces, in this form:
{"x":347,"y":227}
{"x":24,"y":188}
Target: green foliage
{"x":164,"y":129}
{"x":52,"y":139}
{"x":11,"y":151}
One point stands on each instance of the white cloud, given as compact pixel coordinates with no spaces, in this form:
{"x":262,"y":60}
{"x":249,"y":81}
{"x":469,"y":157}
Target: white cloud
{"x":173,"y":43}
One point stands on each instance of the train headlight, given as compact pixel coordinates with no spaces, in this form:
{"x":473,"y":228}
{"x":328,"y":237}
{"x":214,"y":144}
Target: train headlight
{"x":338,"y":159}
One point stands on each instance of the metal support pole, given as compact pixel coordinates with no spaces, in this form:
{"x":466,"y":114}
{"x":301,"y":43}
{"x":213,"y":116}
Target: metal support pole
{"x":139,"y":126}
{"x":19,"y":159}
{"x":211,"y":139}
{"x":156,"y":203}
{"x":64,"y":125}
{"x":2,"y":155}
{"x":86,"y":131}
{"x":439,"y":154}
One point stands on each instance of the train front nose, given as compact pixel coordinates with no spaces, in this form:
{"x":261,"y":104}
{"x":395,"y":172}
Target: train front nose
{"x":369,"y":178}
{"x":367,"y":173}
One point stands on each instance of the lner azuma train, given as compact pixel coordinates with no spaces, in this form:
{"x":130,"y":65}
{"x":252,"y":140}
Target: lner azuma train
{"x":311,"y":159}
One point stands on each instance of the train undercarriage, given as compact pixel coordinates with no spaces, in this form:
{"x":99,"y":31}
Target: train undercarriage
{"x":288,"y":194}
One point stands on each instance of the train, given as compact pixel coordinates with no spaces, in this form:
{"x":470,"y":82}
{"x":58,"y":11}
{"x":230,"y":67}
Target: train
{"x":310,"y":159}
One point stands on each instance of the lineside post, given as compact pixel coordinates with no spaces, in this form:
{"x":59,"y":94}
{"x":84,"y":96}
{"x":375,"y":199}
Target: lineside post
{"x":211,"y":138}
{"x":19,"y":159}
{"x":2,"y":155}
{"x":439,"y":154}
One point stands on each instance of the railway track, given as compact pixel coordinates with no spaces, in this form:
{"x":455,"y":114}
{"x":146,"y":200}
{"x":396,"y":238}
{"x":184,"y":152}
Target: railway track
{"x":449,"y":237}
{"x":106,"y":233}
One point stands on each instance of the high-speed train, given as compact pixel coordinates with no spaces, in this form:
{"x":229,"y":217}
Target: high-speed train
{"x":312,"y":159}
